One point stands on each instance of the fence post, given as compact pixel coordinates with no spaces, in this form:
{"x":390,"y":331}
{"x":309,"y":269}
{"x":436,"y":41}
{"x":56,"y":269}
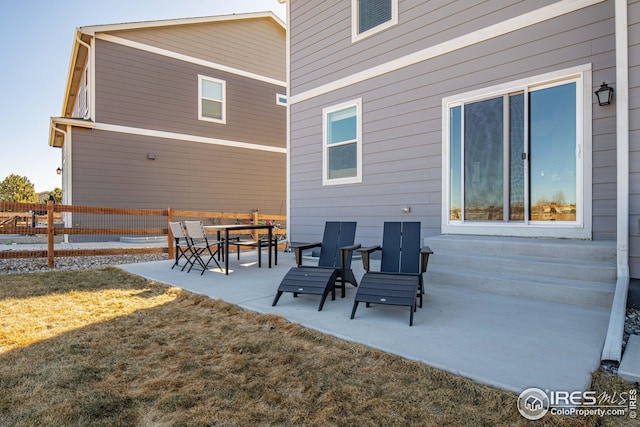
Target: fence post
{"x":50,"y":234}
{"x":256,"y":219}
{"x":170,"y":234}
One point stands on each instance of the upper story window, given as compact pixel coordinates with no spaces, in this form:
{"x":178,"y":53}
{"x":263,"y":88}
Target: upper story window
{"x":211,"y":99}
{"x":342,"y":137}
{"x":371,"y":16}
{"x":81,"y":109}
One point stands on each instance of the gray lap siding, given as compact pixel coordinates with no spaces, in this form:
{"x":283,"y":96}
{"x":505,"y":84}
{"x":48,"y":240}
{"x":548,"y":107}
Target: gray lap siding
{"x":402,"y":118}
{"x":111,"y":169}
{"x":150,"y":91}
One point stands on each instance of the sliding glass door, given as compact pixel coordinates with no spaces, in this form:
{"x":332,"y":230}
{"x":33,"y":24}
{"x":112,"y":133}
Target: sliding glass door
{"x":513,"y":157}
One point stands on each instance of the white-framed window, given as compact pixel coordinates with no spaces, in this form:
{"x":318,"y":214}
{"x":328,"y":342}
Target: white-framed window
{"x":369,"y":17}
{"x":281,"y":99}
{"x":82,"y":109}
{"x":211,"y":99}
{"x":342,"y":143}
{"x":517,"y":158}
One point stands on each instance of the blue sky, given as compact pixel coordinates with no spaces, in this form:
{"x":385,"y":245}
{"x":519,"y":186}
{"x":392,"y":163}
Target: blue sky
{"x":35,"y":45}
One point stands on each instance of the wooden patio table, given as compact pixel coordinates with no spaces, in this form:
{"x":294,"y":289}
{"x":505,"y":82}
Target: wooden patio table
{"x":226,"y":228}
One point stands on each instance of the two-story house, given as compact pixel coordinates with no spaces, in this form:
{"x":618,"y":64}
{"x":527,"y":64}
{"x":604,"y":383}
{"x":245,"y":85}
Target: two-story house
{"x":187,"y":113}
{"x":479,"y":119}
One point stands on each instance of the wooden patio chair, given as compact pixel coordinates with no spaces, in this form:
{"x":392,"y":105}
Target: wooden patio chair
{"x":334,"y":264}
{"x":183,"y":247}
{"x":200,"y":245}
{"x":399,"y":281}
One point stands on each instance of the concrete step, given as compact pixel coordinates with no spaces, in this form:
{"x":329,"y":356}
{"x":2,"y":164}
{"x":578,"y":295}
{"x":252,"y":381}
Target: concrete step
{"x":604,"y":251}
{"x":564,"y":271}
{"x":564,"y":291}
{"x":539,"y":266}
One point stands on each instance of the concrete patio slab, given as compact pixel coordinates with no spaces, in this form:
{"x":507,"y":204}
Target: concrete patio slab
{"x":503,"y":341}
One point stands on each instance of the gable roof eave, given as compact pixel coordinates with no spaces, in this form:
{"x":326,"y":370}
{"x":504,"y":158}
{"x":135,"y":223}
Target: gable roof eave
{"x":86,"y":34}
{"x":57,"y":129}
{"x":93,"y":29}
{"x":76,"y":67}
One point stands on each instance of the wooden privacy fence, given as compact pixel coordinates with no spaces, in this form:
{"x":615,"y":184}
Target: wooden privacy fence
{"x":98,"y":224}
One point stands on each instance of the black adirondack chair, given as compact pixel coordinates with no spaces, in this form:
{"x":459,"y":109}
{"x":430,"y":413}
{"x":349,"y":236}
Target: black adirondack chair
{"x":399,"y":281}
{"x":334,"y":264}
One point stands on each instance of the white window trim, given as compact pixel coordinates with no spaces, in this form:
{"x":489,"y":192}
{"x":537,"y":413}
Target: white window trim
{"x":582,"y":227}
{"x":87,"y":107}
{"x":202,"y":78}
{"x":355,"y":20}
{"x":325,"y":161}
{"x":279,"y":98}
{"x":82,"y":104}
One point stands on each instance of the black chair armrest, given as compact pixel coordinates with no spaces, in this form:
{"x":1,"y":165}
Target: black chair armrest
{"x":299,"y":247}
{"x":425,"y":251}
{"x":365,"y":255}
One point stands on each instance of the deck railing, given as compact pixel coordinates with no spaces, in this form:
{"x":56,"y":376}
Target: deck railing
{"x":101,"y":224}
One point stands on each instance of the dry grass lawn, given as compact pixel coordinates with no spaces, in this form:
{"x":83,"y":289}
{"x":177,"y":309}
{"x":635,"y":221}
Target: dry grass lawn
{"x":106,"y":348}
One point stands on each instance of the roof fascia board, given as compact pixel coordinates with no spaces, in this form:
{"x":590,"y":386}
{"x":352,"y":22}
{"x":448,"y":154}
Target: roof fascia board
{"x":73,"y":122}
{"x":91,"y":30}
{"x":72,"y":63}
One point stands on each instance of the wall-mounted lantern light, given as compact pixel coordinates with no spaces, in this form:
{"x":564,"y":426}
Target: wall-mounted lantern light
{"x":59,"y":171}
{"x":604,"y":94}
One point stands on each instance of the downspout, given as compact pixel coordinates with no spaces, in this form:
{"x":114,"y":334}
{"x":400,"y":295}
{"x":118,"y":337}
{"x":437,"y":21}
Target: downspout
{"x":612,"y":350}
{"x":79,"y":40}
{"x":64,"y":133}
{"x":288,"y":119}
{"x":64,"y":171}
